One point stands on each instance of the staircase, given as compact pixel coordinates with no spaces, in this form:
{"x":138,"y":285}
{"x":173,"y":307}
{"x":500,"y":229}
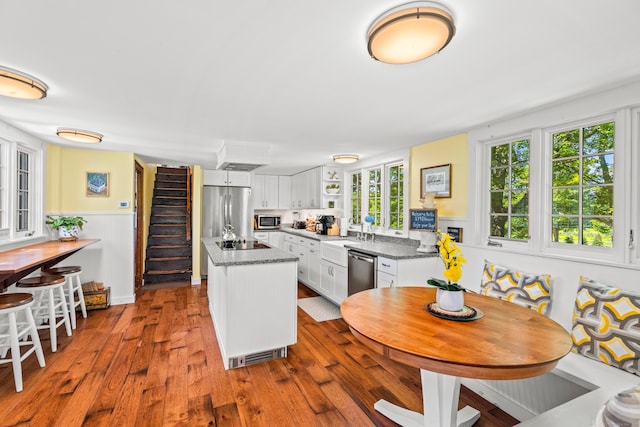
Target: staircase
{"x":169,"y":241}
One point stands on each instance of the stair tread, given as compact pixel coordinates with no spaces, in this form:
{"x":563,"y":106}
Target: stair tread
{"x":170,"y":258}
{"x":183,"y":270}
{"x":168,"y":246}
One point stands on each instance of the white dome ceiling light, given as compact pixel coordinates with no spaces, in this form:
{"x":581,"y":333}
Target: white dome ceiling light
{"x":410,"y":33}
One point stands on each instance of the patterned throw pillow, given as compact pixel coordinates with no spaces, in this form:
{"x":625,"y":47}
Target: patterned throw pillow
{"x":529,"y":290}
{"x":606,"y":325}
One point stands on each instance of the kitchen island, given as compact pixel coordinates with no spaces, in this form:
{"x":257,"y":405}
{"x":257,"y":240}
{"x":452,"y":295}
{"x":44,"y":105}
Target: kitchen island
{"x":253,"y":297}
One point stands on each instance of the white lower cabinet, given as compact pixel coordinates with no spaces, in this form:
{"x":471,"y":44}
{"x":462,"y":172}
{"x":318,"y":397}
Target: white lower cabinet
{"x":313,"y":268}
{"x":276,"y":239}
{"x":386,"y":280}
{"x":406,"y":272}
{"x":263,"y":236}
{"x":252,"y":316}
{"x":333,"y":281}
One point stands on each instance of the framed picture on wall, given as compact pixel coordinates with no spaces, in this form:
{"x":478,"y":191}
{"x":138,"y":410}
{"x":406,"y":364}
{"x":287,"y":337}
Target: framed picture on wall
{"x":436,"y":180}
{"x":98,"y":184}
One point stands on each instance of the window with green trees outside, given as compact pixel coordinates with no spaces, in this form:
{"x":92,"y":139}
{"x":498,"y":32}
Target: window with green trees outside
{"x":396,"y":193}
{"x":509,"y":191}
{"x":582,"y":185}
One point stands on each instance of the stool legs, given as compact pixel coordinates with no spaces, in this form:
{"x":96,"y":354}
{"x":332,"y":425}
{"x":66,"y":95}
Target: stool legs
{"x":74,"y":285}
{"x":15,"y":346}
{"x":15,"y":333}
{"x":53,"y":325}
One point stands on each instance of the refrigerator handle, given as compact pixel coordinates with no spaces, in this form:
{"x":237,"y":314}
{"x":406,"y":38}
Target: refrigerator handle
{"x":226,"y":210}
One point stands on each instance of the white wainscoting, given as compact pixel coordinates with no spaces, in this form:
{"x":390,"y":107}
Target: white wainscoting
{"x":110,"y":261}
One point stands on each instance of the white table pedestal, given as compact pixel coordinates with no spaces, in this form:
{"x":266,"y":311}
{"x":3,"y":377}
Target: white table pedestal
{"x":440,"y":396}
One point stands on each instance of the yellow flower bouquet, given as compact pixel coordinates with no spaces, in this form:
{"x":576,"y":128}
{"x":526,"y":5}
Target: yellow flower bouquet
{"x":452,"y":258}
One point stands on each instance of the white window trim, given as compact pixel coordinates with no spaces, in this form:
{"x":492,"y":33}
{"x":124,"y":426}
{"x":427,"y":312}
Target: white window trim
{"x":606,"y":254}
{"x":36,"y":177}
{"x":626,"y":212}
{"x":484,"y":201}
{"x":384,"y":171}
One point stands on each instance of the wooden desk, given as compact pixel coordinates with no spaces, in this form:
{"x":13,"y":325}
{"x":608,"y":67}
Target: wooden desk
{"x":20,"y":262}
{"x":508,"y":342}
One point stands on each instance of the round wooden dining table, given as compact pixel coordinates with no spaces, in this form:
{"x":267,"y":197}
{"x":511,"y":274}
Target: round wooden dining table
{"x":505,"y":341}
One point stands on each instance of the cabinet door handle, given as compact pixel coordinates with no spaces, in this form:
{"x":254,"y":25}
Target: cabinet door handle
{"x":385,"y":265}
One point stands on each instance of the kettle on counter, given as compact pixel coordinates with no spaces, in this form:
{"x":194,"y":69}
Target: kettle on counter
{"x":228,"y":236}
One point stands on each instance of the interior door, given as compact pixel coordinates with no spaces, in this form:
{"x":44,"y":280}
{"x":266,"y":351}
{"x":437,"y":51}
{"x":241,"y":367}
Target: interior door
{"x":138,"y":212}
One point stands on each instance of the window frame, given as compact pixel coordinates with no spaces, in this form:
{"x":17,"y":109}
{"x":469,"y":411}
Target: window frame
{"x":615,"y":253}
{"x":383,"y":228}
{"x":540,"y":202}
{"x":9,"y":197}
{"x":494,"y":143}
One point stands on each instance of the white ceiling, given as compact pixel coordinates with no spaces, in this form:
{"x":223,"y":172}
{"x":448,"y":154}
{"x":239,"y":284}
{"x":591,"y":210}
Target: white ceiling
{"x":171,"y":80}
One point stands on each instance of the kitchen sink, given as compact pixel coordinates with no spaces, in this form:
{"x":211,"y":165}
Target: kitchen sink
{"x":334,"y":250}
{"x":342,"y":243}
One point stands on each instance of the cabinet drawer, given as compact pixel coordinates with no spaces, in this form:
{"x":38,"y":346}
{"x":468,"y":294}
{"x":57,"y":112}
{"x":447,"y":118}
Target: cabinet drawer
{"x":290,"y":238}
{"x":303,"y":254}
{"x":386,"y":280}
{"x":387,"y":265}
{"x":308,"y":243}
{"x":261,"y":236}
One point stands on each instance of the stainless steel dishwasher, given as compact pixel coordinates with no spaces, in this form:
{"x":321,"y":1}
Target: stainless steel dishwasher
{"x":361,"y":272}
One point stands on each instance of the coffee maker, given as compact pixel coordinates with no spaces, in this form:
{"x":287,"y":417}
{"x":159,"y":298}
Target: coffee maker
{"x":324,"y":223}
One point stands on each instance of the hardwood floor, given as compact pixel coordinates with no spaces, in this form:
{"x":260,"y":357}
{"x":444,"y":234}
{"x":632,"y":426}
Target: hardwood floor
{"x":157,"y":363}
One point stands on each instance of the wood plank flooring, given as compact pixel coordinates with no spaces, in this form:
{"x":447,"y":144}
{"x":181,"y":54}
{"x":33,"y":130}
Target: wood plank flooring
{"x":157,"y":363}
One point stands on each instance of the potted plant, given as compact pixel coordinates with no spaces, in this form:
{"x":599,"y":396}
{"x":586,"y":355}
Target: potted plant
{"x":450,"y":295}
{"x":333,"y":188}
{"x":68,"y":226}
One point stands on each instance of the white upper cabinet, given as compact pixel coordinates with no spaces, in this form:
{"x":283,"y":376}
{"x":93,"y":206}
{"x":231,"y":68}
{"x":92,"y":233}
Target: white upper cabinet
{"x":305,"y":189}
{"x":284,"y":192}
{"x":265,"y":192}
{"x":228,"y":178}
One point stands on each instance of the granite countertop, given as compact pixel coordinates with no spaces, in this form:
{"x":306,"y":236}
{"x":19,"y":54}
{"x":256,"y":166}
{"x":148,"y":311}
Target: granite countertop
{"x":385,"y":249}
{"x":389,"y":250}
{"x":243,"y":257}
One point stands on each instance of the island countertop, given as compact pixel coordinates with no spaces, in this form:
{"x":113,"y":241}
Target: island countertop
{"x":243,"y":257}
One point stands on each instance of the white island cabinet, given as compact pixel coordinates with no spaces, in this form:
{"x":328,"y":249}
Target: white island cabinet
{"x":253,"y":303}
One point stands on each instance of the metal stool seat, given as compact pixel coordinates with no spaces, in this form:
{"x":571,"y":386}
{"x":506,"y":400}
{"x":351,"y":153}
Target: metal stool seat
{"x":72,"y":276}
{"x":14,"y":332}
{"x":47,"y":306}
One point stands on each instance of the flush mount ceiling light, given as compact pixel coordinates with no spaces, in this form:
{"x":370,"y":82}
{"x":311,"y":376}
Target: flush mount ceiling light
{"x":345,"y":158}
{"x":19,"y":85}
{"x":78,"y":135}
{"x":410,"y":33}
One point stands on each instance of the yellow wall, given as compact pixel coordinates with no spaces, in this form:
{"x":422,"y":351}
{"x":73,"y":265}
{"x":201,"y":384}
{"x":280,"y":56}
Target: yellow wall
{"x":196,"y":221}
{"x":67,"y":180}
{"x":452,"y":150}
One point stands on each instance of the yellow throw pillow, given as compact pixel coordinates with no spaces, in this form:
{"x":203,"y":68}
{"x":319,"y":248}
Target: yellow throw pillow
{"x":529,"y":290}
{"x":606,"y":325}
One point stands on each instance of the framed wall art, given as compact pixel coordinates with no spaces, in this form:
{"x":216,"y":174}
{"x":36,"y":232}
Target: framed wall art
{"x":98,"y":184}
{"x":437,"y":180}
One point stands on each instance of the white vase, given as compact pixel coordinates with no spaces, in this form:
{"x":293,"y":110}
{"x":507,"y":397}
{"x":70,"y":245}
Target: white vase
{"x":65,"y":233}
{"x":450,"y":300}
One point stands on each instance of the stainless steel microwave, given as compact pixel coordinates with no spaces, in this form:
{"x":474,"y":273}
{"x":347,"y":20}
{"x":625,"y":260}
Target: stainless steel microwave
{"x":267,"y":222}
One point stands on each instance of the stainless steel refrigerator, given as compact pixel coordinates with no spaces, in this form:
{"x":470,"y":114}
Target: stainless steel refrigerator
{"x":225,"y":205}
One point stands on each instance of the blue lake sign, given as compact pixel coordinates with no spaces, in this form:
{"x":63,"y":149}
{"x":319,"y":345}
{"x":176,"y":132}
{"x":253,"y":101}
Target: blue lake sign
{"x":423,"y":219}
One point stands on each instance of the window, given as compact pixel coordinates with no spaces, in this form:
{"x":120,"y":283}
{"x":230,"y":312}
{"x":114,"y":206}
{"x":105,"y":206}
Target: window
{"x":23,"y":194}
{"x":509,"y":190}
{"x":379,"y":192}
{"x":375,"y":195}
{"x":21,"y":200}
{"x":396,"y":196}
{"x":356,"y":197}
{"x":582,"y":185}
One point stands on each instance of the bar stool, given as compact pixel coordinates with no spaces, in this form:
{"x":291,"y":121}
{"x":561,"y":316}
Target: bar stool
{"x":47,"y":306}
{"x":72,"y":275}
{"x":14,"y":331}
